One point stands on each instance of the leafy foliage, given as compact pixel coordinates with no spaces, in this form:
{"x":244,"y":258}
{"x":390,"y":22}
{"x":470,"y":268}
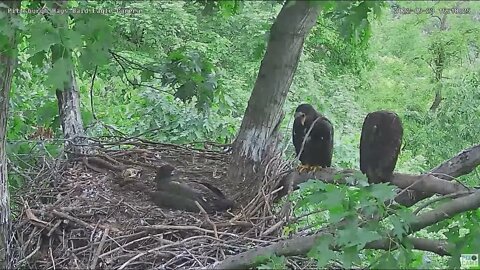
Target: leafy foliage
{"x":182,"y":71}
{"x":194,"y":75}
{"x":342,"y":203}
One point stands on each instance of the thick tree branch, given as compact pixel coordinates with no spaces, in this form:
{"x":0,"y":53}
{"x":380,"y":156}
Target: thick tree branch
{"x":302,"y":245}
{"x":423,"y":183}
{"x":440,"y":247}
{"x":446,"y":211}
{"x":438,"y":181}
{"x":463,"y":163}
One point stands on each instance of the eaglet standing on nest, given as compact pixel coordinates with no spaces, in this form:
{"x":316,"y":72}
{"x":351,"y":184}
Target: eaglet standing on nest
{"x":318,"y":148}
{"x":175,"y":195}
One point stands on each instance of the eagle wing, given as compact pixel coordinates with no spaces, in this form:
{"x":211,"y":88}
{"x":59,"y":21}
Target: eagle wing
{"x":380,"y":144}
{"x":321,"y":142}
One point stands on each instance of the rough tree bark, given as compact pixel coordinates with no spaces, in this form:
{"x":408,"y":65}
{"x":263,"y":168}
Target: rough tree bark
{"x":461,"y":164}
{"x":68,"y":98}
{"x":256,"y":141}
{"x":8,"y":59}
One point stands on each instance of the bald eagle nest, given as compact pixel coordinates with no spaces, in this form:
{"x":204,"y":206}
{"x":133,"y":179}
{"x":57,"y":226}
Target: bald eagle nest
{"x":76,"y":214}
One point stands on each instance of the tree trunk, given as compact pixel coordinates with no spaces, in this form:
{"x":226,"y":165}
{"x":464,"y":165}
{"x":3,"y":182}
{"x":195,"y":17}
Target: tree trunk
{"x":256,"y":141}
{"x":8,"y":59}
{"x":69,"y":99}
{"x":439,"y":62}
{"x":70,"y":116}
{"x":438,"y":98}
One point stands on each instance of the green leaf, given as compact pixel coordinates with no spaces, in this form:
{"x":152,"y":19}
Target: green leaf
{"x":259,"y":51}
{"x":453,"y":233}
{"x":333,"y":198}
{"x":72,"y":39}
{"x":58,"y":75}
{"x":96,"y":54}
{"x":87,"y":117}
{"x":314,"y":198}
{"x":47,"y":113}
{"x":16,"y":126}
{"x":353,"y":236}
{"x":399,"y":227}
{"x":146,"y":75}
{"x":177,"y":55}
{"x":229,"y":7}
{"x":43,"y":35}
{"x":382,"y":192}
{"x":325,"y":5}
{"x":349,"y":256}
{"x":313,"y":184}
{"x":186,"y":91}
{"x":386,"y":261}
{"x":322,"y":252}
{"x":87,"y":56}
{"x":53,"y":150}
{"x":274,"y":262}
{"x":38,"y":59}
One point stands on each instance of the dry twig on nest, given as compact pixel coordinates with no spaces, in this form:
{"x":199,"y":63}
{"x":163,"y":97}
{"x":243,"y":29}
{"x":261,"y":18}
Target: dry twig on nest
{"x":75,"y":217}
{"x":89,"y":221}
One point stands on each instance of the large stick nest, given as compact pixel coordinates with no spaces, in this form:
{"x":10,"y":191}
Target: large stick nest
{"x":70,"y":216}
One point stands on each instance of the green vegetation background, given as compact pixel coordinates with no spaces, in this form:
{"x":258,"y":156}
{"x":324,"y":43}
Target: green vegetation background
{"x":201,"y":67}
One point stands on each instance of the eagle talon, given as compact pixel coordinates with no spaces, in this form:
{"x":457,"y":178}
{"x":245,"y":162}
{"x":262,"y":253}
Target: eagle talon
{"x":308,"y":168}
{"x":303,"y":168}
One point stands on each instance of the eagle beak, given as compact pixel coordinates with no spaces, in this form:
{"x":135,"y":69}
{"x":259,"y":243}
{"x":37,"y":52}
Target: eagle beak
{"x":300,"y":114}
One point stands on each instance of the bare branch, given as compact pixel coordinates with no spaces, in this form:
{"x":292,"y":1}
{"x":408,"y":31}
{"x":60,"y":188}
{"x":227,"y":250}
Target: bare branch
{"x":463,"y":163}
{"x":118,"y":58}
{"x":91,"y":92}
{"x":440,"y":247}
{"x":446,"y":211}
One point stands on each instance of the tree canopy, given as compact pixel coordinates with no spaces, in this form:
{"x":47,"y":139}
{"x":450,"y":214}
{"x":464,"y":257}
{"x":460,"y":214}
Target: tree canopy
{"x":204,"y":74}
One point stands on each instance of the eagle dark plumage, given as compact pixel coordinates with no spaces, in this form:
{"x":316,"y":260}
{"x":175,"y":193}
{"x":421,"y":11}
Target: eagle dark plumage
{"x":380,"y":143}
{"x":318,"y":148}
{"x":207,"y":195}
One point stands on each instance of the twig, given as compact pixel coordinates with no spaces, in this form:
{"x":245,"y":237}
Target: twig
{"x":54,"y":228}
{"x":448,"y":196}
{"x":186,"y":227}
{"x":99,"y":249}
{"x":91,"y":92}
{"x":306,"y":136}
{"x":156,"y":249}
{"x":15,"y":169}
{"x":33,"y":252}
{"x":273,"y":228}
{"x":205,"y":215}
{"x":133,"y":242}
{"x":51,"y":252}
{"x":79,"y":221}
